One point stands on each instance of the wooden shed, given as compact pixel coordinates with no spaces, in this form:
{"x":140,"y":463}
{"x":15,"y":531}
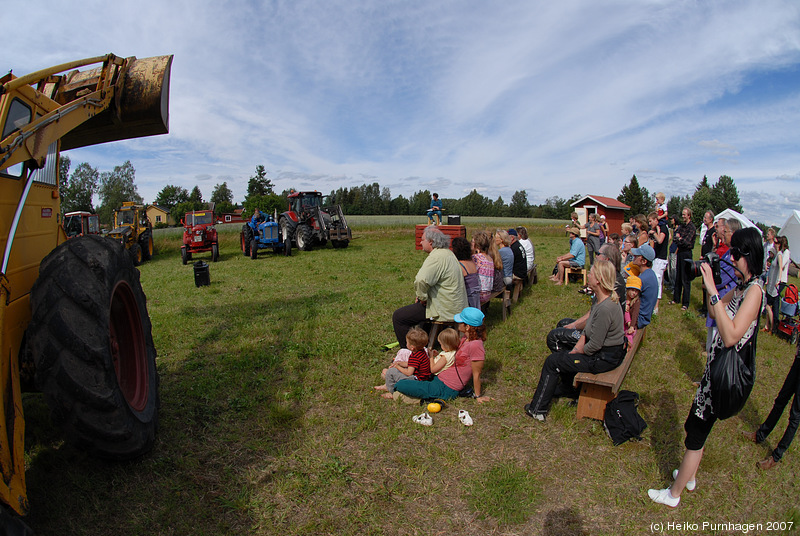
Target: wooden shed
{"x":613,"y":210}
{"x":231,"y":217}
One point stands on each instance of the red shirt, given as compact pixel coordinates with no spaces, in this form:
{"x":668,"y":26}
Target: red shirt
{"x":422,"y":365}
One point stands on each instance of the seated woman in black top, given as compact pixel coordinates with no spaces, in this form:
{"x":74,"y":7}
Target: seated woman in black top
{"x":600,"y":348}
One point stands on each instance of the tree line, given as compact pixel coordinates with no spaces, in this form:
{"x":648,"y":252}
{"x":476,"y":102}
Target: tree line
{"x":371,"y":199}
{"x":114,"y":187}
{"x":722,"y":195}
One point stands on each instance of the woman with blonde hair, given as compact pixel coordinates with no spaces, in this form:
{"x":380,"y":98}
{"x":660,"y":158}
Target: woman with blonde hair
{"x":600,"y":348}
{"x":502,"y":240}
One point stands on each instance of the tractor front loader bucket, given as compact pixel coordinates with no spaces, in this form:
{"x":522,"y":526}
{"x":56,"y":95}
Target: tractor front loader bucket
{"x":141,"y":104}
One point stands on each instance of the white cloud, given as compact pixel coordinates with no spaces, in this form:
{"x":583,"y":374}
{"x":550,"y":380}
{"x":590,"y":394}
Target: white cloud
{"x":555,"y":98}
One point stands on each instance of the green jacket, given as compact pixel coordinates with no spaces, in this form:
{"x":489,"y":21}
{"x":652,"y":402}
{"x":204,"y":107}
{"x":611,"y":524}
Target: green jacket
{"x":439,"y":283}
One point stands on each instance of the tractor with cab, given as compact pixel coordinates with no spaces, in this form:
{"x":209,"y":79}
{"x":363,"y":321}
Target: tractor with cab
{"x":309,"y":222}
{"x":199,"y":235}
{"x":81,"y":223}
{"x":132,"y":229}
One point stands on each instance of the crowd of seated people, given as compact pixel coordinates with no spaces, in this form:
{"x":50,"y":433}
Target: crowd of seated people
{"x":625,"y":281}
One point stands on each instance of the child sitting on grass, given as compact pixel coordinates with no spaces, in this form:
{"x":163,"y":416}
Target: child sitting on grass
{"x":418,"y":366}
{"x":441,"y":361}
{"x":634,"y":288}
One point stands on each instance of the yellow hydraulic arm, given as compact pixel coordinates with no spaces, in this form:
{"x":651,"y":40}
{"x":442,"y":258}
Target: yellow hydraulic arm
{"x":124,"y":98}
{"x":54,"y":109}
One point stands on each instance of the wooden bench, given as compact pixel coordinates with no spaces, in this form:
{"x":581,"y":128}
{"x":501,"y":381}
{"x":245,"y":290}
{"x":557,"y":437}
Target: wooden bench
{"x":597,"y":390}
{"x":517,"y":289}
{"x":530,"y":279}
{"x":577,"y":271}
{"x":533,"y":275}
{"x":436,"y":327}
{"x":505,"y":301}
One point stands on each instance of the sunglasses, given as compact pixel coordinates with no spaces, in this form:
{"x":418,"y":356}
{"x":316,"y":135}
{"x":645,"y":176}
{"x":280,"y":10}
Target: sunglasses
{"x":737,"y":253}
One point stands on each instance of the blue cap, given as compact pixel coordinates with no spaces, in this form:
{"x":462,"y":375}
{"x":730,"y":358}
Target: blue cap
{"x":646,"y":251}
{"x":470,"y":316}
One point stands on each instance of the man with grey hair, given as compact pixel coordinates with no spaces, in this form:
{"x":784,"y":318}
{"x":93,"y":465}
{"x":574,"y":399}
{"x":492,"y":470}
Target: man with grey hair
{"x":707,"y":233}
{"x":439,"y":287}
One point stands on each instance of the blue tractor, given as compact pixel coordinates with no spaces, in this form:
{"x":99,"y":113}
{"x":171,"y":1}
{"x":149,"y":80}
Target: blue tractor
{"x":262,"y":232}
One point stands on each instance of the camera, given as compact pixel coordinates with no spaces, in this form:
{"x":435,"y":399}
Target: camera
{"x":709,"y":258}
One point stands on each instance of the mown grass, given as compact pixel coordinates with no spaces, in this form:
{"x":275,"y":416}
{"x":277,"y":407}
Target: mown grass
{"x":269,"y":424}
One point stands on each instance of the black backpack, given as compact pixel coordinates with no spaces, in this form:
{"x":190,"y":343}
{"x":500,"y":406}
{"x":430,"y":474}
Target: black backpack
{"x":621,"y":420}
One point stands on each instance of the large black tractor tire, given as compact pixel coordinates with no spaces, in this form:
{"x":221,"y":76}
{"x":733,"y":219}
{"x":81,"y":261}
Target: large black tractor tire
{"x":254,"y":249}
{"x":148,"y":249}
{"x":184,"y":255}
{"x":91,"y":341}
{"x":303,"y":237}
{"x":214,"y":252}
{"x":247,"y":237}
{"x":136,"y":254}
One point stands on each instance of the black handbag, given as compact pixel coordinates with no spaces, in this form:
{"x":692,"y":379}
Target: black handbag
{"x":621,"y":419}
{"x":732,"y":375}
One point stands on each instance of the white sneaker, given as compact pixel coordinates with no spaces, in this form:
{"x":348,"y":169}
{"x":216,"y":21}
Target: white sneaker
{"x":689,"y":485}
{"x":463,"y":416}
{"x":423,"y":418}
{"x":663,"y":496}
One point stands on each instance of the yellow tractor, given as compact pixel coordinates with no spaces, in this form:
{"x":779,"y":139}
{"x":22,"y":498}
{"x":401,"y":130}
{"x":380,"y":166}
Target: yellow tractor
{"x":134,"y":231}
{"x":73,"y":316}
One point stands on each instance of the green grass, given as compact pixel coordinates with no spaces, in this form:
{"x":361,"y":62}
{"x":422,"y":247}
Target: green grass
{"x":268,"y":423}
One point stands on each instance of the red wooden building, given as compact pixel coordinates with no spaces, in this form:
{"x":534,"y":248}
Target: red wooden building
{"x":231,"y":217}
{"x":613,"y":210}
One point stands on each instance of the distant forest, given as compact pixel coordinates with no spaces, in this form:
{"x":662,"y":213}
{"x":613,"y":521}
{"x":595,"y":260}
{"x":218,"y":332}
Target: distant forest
{"x":372,"y":199}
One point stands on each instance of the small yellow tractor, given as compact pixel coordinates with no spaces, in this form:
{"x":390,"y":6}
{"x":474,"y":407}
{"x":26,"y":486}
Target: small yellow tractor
{"x":73,"y":316}
{"x":133,"y":230}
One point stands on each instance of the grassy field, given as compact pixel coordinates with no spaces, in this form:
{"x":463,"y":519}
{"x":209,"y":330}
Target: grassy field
{"x":269,"y":425}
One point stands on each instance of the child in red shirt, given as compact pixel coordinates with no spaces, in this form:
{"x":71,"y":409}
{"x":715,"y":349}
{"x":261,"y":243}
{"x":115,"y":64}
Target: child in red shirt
{"x":418,"y":366}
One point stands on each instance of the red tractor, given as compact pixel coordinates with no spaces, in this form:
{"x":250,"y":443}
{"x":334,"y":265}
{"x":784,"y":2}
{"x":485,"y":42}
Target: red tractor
{"x":199,"y":235}
{"x":310,"y":224}
{"x":81,"y":223}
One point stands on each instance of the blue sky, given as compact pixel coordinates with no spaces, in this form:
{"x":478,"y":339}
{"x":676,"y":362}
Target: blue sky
{"x":555,"y":98}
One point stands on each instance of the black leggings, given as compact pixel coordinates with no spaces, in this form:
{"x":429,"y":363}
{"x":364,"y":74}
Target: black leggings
{"x":682,"y":282}
{"x":790,"y":389}
{"x":561,"y":367}
{"x":697,"y":429}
